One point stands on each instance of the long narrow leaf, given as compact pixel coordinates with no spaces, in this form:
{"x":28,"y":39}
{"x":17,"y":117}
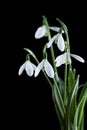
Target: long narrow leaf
{"x":59,"y":96}
{"x":71,"y":97}
{"x":79,"y":113}
{"x":81,"y":109}
{"x":56,"y":107}
{"x":74,"y":89}
{"x":71,"y":79}
{"x":84,"y":90}
{"x":58,"y":102}
{"x":61,"y":86}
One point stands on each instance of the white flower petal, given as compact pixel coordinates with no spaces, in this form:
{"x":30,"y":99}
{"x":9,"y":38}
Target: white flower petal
{"x":61,"y":43}
{"x":49,"y":69}
{"x":51,"y":41}
{"x":22,"y":67}
{"x":40,"y":32}
{"x":78,"y":58}
{"x":34,"y":66}
{"x":29,"y":68}
{"x":60,"y":60}
{"x":56,"y":29}
{"x":38,"y":68}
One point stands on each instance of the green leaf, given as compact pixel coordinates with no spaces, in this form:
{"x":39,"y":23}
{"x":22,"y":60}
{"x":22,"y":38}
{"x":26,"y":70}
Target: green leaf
{"x":70,"y":103}
{"x":82,"y":122}
{"x":81,"y":109}
{"x":83,"y":92}
{"x":79,"y":112}
{"x":71,"y":80}
{"x":57,"y":107}
{"x":74,"y":90}
{"x":58,"y":100}
{"x":74,"y":73}
{"x":61,"y":86}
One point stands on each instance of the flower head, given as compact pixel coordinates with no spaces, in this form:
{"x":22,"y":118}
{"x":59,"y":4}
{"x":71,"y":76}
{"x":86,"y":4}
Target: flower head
{"x":66,"y":58}
{"x":58,"y":39}
{"x":28,"y":67}
{"x":47,"y":66}
{"x":40,"y":32}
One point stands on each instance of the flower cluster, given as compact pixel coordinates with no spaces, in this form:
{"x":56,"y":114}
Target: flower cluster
{"x":69,"y":109}
{"x":61,"y":59}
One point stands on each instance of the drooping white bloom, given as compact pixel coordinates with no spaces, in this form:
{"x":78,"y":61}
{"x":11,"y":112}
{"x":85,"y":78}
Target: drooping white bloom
{"x":40,"y":32}
{"x":62,"y":59}
{"x":28,"y":67}
{"x":58,"y":38}
{"x":47,"y":67}
{"x":66,"y":58}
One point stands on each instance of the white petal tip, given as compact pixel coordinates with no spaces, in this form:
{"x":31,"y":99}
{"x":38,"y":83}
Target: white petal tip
{"x":80,"y":59}
{"x":83,"y":61}
{"x":35,"y":75}
{"x":19,"y":73}
{"x":48,"y":45}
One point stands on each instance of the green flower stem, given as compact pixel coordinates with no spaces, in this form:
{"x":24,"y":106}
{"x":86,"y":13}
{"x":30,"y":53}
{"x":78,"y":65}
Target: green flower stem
{"x":51,"y":85}
{"x":67,"y":49}
{"x":65,"y":72}
{"x":45,"y":22}
{"x":52,"y":54}
{"x":65,"y":83}
{"x":53,"y":59}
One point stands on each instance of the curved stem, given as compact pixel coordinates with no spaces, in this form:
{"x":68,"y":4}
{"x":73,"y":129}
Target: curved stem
{"x":37,"y":61}
{"x":48,"y":80}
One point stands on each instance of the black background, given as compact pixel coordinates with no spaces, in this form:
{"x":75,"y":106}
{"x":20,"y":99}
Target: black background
{"x":27,"y":102}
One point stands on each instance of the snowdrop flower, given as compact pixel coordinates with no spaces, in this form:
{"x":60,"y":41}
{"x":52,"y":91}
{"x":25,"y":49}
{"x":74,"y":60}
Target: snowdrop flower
{"x":28,"y":67}
{"x":47,"y":66}
{"x":58,"y":38}
{"x":40,"y":32}
{"x":66,"y":58}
